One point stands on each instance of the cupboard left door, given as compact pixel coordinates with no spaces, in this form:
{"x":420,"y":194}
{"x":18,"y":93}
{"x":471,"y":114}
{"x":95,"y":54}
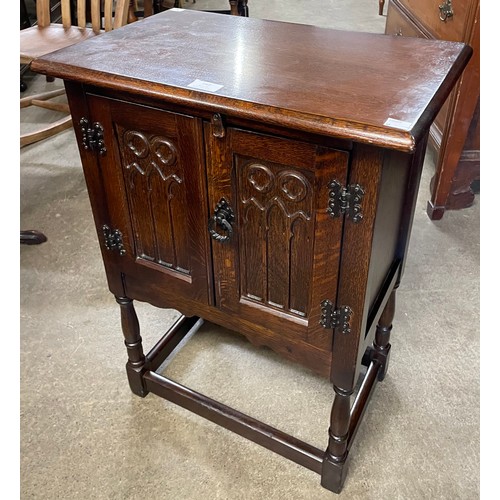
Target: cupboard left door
{"x":146,"y":178}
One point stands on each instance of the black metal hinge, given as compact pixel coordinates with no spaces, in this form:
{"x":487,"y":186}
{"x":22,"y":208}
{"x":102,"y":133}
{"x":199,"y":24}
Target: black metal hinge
{"x":335,"y":318}
{"x":113,"y":239}
{"x":92,"y":136}
{"x":345,"y":200}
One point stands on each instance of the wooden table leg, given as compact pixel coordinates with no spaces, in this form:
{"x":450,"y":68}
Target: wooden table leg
{"x":381,"y":7}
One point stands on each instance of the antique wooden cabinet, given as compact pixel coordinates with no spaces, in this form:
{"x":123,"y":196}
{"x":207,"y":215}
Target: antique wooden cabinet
{"x":242,"y":176}
{"x":454,"y":135}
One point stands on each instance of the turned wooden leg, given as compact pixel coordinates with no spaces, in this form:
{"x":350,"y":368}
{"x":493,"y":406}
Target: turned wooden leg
{"x":335,"y":461}
{"x":133,"y":341}
{"x":131,"y":17}
{"x":381,"y":7}
{"x":381,"y":347}
{"x":234,"y":7}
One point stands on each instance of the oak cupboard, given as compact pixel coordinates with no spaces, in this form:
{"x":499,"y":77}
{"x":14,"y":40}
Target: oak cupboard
{"x":242,"y":176}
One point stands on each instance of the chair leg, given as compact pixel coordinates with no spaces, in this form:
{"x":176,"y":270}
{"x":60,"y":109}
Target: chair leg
{"x":32,"y":237}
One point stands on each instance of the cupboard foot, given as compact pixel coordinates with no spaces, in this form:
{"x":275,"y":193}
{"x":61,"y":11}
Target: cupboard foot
{"x":333,"y":474}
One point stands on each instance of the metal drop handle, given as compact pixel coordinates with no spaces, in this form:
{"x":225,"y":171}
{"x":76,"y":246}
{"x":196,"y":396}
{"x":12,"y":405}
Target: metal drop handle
{"x":223,"y":216}
{"x":445,"y":10}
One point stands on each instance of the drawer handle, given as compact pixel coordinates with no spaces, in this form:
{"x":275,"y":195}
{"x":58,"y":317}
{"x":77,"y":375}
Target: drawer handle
{"x":223,"y":216}
{"x":445,"y":10}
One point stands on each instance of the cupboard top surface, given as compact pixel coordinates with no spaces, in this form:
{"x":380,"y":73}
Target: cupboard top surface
{"x":367,"y":87}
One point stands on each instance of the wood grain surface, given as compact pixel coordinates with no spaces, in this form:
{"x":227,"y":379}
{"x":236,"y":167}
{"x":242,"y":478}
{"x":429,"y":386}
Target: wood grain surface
{"x":372,"y":88}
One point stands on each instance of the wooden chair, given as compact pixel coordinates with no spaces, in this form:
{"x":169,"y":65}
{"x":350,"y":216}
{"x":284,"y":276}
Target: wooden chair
{"x":236,"y":7}
{"x":46,"y":37}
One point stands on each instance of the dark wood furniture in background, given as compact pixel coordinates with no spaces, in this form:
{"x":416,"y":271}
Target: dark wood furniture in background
{"x":237,"y":193}
{"x":236,"y":7}
{"x":454,"y":136}
{"x":25,"y":22}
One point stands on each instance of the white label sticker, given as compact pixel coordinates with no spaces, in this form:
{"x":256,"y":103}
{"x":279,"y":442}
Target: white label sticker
{"x":201,"y":85}
{"x":392,"y":122}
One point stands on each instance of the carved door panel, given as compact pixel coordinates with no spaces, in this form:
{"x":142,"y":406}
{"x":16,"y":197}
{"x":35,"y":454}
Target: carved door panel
{"x":280,"y":258}
{"x":154,"y":178}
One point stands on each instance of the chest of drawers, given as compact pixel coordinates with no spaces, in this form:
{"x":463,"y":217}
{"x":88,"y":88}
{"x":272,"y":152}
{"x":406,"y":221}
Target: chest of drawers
{"x":242,"y":176}
{"x":455,"y":134}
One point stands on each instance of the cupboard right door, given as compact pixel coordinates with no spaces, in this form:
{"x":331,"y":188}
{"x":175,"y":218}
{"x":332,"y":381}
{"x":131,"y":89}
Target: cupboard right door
{"x":275,"y":247}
